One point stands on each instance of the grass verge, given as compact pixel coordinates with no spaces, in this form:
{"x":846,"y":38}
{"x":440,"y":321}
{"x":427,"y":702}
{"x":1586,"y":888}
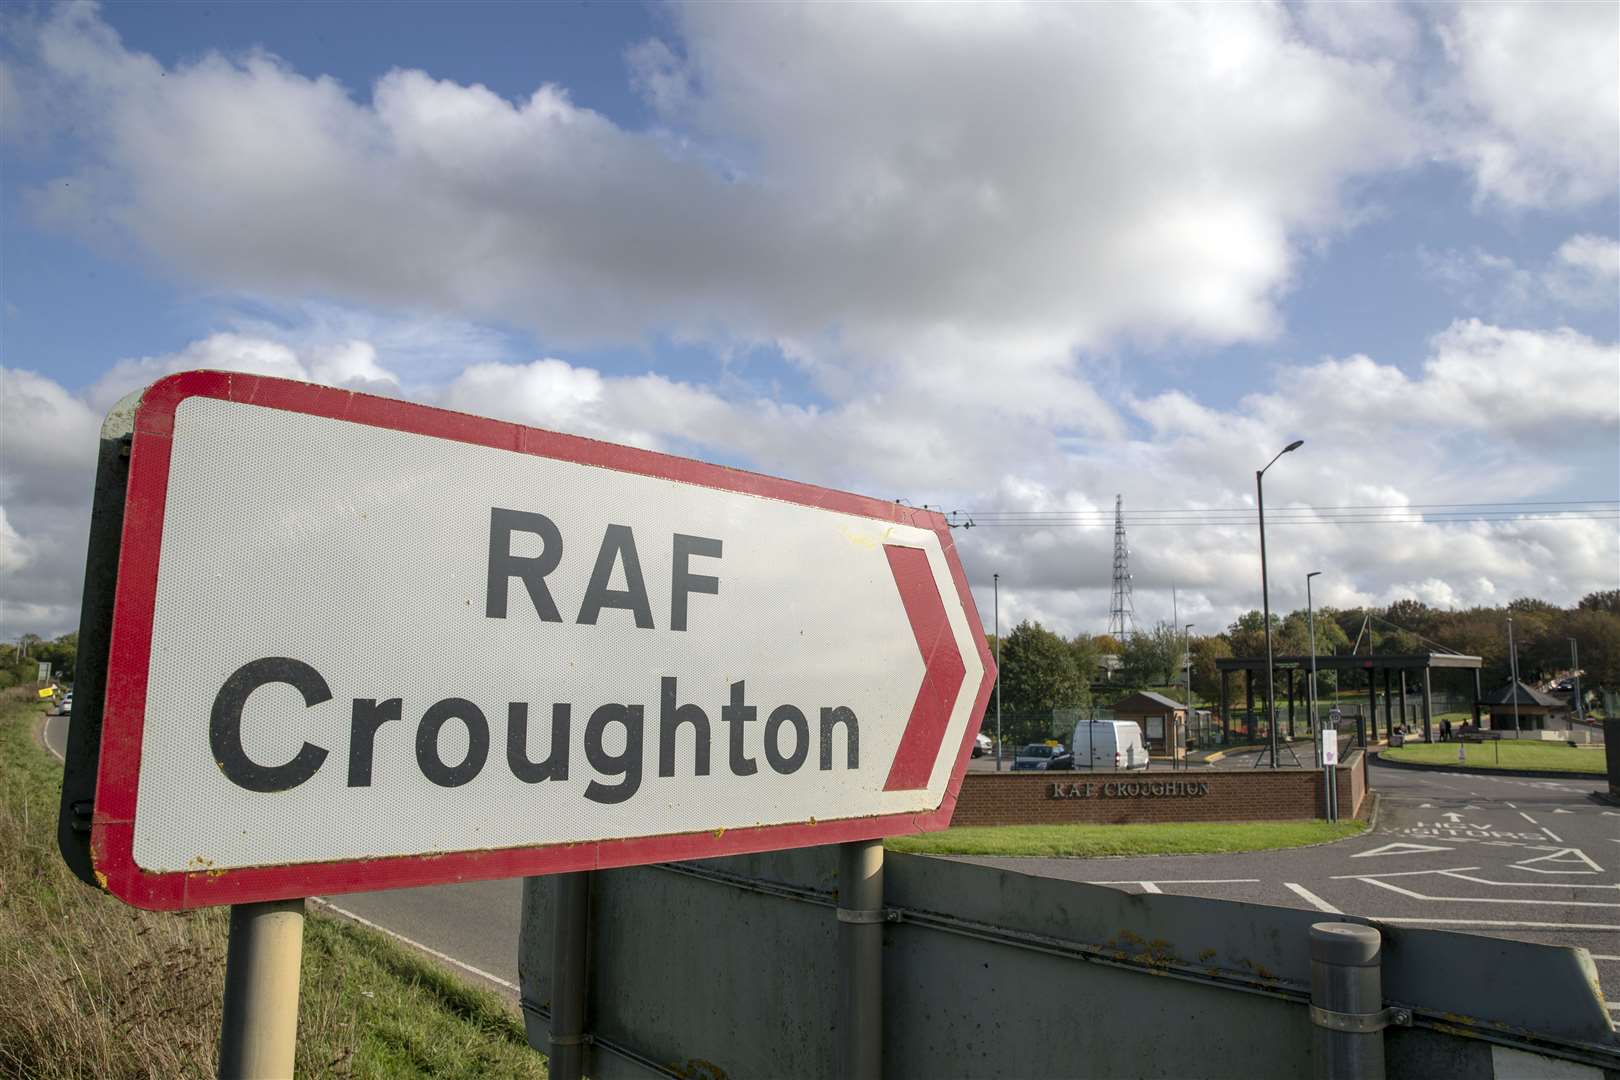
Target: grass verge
{"x":94,"y":988}
{"x":1090,"y":841}
{"x":1504,"y":754}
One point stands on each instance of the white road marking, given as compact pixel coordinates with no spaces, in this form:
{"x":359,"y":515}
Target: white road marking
{"x":1193,"y":881}
{"x":45,"y":737}
{"x":435,"y":953}
{"x":1510,"y":806}
{"x":1399,"y":848}
{"x":1528,"y":818}
{"x":1486,"y":899}
{"x":1402,"y":873}
{"x":1561,"y":810}
{"x":1531,"y":884}
{"x":1555,"y":837}
{"x":1601,"y":956}
{"x":1149,"y":887}
{"x":1311,"y":898}
{"x":1561,"y":856}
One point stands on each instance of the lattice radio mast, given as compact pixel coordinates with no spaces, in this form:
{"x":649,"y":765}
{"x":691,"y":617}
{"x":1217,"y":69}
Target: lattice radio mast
{"x":1122,"y":612}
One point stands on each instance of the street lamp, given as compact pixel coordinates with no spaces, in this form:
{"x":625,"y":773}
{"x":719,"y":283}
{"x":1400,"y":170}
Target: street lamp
{"x":1265,"y":596}
{"x":995,"y":580}
{"x":1513,"y":671}
{"x":1575,"y":664}
{"x":1190,"y":723}
{"x":1310,"y":619}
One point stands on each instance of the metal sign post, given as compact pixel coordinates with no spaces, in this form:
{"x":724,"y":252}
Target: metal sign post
{"x":258,"y":1035}
{"x":1329,"y":750}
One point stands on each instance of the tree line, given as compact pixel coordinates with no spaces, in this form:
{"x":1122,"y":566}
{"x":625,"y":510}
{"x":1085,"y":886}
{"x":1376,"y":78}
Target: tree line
{"x":1042,"y":670}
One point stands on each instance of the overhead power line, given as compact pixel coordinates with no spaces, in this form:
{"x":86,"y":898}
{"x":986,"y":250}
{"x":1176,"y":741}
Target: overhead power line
{"x":1359,"y":514}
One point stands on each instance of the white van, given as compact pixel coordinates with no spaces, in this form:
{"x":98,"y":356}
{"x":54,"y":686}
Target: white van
{"x":1109,"y":744}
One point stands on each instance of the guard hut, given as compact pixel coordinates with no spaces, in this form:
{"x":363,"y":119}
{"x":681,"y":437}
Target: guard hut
{"x":1536,"y":711}
{"x":1163,"y":722}
{"x":1410,"y":673}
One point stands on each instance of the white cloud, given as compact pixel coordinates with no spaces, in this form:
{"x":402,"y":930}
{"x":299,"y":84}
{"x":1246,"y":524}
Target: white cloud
{"x":1062,"y":173}
{"x":1492,"y":415}
{"x":1537,"y":90}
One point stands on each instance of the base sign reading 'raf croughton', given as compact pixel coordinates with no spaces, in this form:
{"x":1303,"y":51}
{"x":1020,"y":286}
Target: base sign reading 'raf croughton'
{"x":1133,"y":789}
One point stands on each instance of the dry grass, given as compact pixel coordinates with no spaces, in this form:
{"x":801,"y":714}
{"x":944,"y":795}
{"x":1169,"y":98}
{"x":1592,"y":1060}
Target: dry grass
{"x":90,"y":987}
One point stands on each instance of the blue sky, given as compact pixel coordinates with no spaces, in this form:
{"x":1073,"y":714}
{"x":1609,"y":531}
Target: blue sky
{"x":1000,"y":258}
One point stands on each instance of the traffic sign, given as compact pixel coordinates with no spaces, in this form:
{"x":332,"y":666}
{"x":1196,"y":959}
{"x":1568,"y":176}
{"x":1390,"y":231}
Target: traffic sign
{"x":1330,"y":746}
{"x":360,"y":643}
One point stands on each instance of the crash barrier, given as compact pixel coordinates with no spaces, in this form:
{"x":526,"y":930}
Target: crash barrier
{"x":732,"y":968}
{"x":1115,"y":797}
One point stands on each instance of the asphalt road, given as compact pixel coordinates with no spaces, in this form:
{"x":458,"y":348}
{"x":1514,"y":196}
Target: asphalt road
{"x":1536,"y":860}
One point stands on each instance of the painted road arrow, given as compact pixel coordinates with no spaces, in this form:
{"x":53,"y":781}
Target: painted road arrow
{"x":360,"y":643}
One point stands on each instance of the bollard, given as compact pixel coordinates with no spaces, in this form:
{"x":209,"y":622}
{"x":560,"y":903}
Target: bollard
{"x":1347,"y":1002}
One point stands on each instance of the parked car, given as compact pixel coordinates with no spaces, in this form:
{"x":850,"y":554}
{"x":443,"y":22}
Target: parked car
{"x":1109,"y":744}
{"x":65,"y":708}
{"x":1565,"y":686}
{"x":982,"y":745}
{"x":1035,"y":756}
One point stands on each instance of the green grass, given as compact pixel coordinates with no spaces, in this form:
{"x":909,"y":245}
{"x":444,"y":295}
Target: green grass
{"x":1505,"y":754}
{"x":1090,"y":841}
{"x":94,"y":988}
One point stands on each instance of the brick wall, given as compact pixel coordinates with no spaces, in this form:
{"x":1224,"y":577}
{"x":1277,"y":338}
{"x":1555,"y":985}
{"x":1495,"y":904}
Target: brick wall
{"x":1025,"y":798}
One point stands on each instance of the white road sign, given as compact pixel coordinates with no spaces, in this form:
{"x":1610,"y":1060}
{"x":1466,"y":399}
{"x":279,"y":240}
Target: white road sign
{"x":1330,"y":746}
{"x":360,"y":643}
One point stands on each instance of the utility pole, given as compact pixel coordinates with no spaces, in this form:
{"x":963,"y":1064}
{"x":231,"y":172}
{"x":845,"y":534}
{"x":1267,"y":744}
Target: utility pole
{"x":996,"y":582}
{"x":1265,"y":598}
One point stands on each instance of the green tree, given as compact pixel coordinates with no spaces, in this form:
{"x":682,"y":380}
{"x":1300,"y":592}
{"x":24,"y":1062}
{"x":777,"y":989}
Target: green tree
{"x":1038,"y":674}
{"x":1607,"y":600}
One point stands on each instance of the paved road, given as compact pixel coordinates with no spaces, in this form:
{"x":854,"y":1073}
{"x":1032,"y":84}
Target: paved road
{"x":1530,"y":859}
{"x":1535,"y":860}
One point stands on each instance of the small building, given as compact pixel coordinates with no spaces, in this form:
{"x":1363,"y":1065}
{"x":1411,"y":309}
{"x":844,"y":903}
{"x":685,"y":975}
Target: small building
{"x":1163,"y":722}
{"x":1536,"y":711}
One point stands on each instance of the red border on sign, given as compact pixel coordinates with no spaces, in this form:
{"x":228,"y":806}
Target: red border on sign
{"x":112,"y":833}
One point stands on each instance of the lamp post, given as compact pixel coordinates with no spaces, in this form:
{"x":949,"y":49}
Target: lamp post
{"x":1265,"y":597}
{"x":1188,"y":634}
{"x":1513,"y":669}
{"x":1310,"y":693}
{"x":1575,"y":664}
{"x":995,"y":580}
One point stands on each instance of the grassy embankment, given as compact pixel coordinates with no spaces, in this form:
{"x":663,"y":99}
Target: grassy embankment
{"x":1089,"y":841}
{"x":1505,"y":754}
{"x":93,"y":988}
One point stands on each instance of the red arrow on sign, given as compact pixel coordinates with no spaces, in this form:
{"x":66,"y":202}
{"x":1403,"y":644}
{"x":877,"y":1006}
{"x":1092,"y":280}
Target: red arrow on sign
{"x":943,"y":669}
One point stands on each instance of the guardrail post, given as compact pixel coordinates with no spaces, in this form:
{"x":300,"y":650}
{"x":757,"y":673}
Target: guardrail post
{"x":258,"y":1035}
{"x":569,"y":947}
{"x":860,"y":946}
{"x":1347,"y":1002}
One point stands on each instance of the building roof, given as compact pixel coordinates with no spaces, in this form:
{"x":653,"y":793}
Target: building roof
{"x":1146,"y":701}
{"x":1527,"y":696}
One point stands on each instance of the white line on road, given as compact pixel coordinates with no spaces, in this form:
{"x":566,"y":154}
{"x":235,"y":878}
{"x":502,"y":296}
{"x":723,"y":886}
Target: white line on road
{"x":435,"y":953}
{"x":1311,"y":898}
{"x":1402,"y":873}
{"x":1510,"y":806}
{"x":1556,"y":838}
{"x":1149,"y":887}
{"x":1601,"y":956}
{"x":1485,"y":899}
{"x":1531,"y":884}
{"x":1196,"y":881}
{"x":45,"y":737}
{"x":1528,"y":818}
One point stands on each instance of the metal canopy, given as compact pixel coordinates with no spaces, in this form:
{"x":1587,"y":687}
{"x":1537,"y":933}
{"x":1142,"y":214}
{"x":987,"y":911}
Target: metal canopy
{"x":1410,"y":662}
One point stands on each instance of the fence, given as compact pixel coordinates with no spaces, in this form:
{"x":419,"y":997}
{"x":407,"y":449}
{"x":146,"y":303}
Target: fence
{"x":730,"y":968}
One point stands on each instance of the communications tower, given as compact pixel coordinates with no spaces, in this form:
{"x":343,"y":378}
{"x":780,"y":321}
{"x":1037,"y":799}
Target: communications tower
{"x":1122,"y":612}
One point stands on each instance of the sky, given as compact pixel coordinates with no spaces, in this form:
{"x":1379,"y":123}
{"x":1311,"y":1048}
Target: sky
{"x":1007,"y":260}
